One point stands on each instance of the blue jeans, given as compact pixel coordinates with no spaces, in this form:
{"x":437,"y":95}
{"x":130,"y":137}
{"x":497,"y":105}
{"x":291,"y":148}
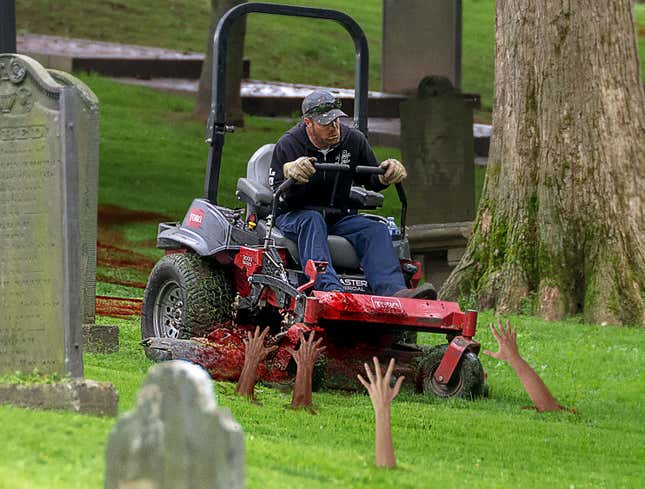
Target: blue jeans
{"x":369,"y":238}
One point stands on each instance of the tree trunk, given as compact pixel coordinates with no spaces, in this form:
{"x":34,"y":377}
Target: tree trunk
{"x":561,"y":221}
{"x":234,"y":57}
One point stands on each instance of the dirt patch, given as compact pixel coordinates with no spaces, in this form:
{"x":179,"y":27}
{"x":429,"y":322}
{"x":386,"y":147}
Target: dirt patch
{"x":118,"y":307}
{"x":115,"y":251}
{"x":113,"y":214}
{"x":117,"y":257}
{"x":117,"y":263}
{"x":137,"y":284}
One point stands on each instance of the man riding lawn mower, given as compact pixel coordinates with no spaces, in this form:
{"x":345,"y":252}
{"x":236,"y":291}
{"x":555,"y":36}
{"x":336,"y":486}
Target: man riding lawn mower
{"x":301,"y":257}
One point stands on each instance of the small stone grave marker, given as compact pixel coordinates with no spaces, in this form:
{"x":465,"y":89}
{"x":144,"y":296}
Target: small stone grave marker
{"x":176,"y":437}
{"x":437,"y":150}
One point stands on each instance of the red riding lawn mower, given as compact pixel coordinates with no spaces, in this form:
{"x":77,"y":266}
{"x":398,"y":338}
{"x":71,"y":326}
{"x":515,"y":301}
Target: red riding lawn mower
{"x":227,"y":271}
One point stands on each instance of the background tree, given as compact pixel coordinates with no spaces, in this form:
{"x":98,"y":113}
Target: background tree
{"x":561,"y":220}
{"x":233,"y":66}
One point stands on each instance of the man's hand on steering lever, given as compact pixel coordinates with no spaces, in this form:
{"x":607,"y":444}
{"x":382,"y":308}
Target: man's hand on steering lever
{"x":301,"y":169}
{"x":394,"y":172}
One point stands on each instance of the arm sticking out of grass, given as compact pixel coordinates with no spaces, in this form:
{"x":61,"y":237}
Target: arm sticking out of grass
{"x":508,"y":351}
{"x":305,"y":359}
{"x":382,"y":393}
{"x":254,"y":353}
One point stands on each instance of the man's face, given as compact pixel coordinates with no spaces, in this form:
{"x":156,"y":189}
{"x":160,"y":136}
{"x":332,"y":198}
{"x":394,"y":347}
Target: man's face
{"x":323,"y":136}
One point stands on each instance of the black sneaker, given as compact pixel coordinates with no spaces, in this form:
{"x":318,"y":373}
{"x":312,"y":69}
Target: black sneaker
{"x":425,"y":291}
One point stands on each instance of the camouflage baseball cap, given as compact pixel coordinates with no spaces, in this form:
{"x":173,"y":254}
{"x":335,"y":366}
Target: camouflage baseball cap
{"x":322,"y":107}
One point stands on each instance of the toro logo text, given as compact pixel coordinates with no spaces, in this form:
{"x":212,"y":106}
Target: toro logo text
{"x":387,"y":304}
{"x":195,"y":218}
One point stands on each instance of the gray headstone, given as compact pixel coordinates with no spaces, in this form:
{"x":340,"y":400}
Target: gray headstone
{"x":176,"y":437}
{"x":426,"y":31}
{"x":437,"y":150}
{"x":41,"y":128}
{"x":87,"y":151}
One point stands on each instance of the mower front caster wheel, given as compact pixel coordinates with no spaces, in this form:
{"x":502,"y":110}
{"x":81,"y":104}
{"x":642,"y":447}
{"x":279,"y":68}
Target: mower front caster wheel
{"x":467,"y":380}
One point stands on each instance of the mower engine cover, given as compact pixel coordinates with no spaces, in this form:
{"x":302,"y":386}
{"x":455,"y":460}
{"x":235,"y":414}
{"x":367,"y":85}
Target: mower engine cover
{"x":207,"y":229}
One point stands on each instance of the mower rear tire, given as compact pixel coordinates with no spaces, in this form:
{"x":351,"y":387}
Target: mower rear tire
{"x":467,"y":380}
{"x":186,"y":296}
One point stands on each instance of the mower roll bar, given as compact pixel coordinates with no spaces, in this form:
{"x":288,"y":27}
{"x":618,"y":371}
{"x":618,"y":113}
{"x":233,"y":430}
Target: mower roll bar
{"x":216,"y":127}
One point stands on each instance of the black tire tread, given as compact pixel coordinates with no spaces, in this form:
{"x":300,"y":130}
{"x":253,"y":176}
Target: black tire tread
{"x":468,"y":384}
{"x":206,"y":291}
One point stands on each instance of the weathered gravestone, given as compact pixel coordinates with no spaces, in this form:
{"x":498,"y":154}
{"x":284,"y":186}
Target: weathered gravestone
{"x":425,"y":31}
{"x":96,"y":338}
{"x":176,"y":437}
{"x":46,"y":145}
{"x":437,"y":148}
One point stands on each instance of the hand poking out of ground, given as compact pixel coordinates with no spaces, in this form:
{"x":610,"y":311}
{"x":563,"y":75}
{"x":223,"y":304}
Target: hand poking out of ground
{"x":509,"y":352}
{"x":382,"y":393}
{"x":254,"y":353}
{"x":305,"y":358}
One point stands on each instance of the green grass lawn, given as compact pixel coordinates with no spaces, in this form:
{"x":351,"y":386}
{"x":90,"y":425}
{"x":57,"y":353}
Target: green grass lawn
{"x":282,"y":49}
{"x":152,"y":159}
{"x":490,"y":443}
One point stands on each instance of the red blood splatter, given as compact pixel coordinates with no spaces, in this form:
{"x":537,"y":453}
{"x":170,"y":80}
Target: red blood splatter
{"x":114,"y":250}
{"x":113,"y":214}
{"x":223,"y":353}
{"x":117,"y":307}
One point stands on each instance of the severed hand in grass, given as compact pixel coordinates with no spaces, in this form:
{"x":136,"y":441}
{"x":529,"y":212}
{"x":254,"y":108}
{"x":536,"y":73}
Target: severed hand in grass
{"x":508,"y":351}
{"x":382,"y":393}
{"x":254,"y":353}
{"x":305,"y":358}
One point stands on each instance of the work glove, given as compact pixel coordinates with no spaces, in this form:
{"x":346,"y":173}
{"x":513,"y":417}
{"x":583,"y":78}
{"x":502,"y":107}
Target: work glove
{"x":394,"y":172}
{"x":300,"y":170}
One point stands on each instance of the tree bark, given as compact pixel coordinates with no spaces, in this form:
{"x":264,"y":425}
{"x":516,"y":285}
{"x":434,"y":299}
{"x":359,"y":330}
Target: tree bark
{"x":561,"y":221}
{"x":234,"y":58}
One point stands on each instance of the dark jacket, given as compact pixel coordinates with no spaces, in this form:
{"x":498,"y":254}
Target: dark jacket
{"x":352,"y":149}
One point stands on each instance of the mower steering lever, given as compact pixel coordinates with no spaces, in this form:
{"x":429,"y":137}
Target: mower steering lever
{"x":332,"y":167}
{"x":338,"y":167}
{"x":373,"y":170}
{"x":341,"y":167}
{"x":284,"y":186}
{"x":377,"y":170}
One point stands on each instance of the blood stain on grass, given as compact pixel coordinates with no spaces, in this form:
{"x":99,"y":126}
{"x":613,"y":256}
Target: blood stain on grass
{"x":118,"y":307}
{"x":115,"y":252}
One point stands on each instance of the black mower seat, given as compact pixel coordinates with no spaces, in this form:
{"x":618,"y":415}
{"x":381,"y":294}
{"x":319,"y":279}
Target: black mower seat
{"x":343,"y":255}
{"x":256,"y":192}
